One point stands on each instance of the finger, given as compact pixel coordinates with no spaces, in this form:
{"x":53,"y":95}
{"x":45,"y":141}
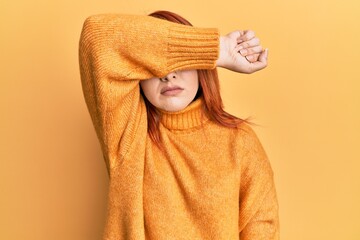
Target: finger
{"x":262,"y":63}
{"x":249,"y":51}
{"x":251,"y":43}
{"x":264,"y":56}
{"x":248,"y":34}
{"x":240,"y":34}
{"x":253,"y":57}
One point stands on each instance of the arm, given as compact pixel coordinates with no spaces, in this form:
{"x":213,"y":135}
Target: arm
{"x":258,"y":216}
{"x":116,"y":52}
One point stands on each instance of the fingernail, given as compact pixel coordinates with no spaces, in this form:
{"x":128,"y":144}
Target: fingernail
{"x":241,"y":47}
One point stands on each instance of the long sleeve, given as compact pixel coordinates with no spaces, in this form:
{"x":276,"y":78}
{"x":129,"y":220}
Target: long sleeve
{"x":115,"y":53}
{"x":258,"y":216}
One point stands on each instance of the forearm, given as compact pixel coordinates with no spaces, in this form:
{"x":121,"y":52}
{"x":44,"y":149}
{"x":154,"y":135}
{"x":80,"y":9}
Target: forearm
{"x":151,"y":46}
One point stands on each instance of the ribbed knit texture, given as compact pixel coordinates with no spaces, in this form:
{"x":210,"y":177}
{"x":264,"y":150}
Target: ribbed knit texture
{"x":209,"y":181}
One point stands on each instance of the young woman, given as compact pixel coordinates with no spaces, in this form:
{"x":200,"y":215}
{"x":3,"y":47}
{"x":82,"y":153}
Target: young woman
{"x":180,"y":167}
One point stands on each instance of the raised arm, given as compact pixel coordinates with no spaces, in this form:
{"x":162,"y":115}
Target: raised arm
{"x":116,"y":52}
{"x":258,"y":216}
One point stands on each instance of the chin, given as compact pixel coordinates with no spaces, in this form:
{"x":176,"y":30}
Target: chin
{"x":174,"y":107}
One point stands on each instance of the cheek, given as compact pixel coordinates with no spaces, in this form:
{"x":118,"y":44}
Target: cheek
{"x":149,"y":89}
{"x":194,"y":87}
{"x":193,"y":80}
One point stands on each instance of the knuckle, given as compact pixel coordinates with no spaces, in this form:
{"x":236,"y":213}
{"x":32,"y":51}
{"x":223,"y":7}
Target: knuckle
{"x":245,"y":44}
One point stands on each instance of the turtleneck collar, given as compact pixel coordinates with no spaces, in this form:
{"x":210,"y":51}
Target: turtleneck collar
{"x":192,"y":116}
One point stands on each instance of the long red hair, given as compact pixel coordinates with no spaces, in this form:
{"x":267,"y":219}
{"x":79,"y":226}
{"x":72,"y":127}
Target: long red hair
{"x":209,"y":91}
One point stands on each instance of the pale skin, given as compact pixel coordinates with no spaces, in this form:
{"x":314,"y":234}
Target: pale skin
{"x":240,"y":51}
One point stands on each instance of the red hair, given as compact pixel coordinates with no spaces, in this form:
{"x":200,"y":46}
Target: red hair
{"x":209,"y":91}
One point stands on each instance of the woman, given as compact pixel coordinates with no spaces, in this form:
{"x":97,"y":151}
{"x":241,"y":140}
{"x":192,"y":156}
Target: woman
{"x":180,"y":167}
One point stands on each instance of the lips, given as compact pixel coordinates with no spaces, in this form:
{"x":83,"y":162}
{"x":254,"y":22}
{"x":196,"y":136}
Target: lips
{"x":170,"y":91}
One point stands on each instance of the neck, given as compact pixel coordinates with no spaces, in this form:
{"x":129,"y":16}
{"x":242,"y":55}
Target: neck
{"x":190,"y":117}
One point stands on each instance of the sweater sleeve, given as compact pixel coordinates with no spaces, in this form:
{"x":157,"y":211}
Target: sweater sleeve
{"x":258,"y":215}
{"x":116,"y":52}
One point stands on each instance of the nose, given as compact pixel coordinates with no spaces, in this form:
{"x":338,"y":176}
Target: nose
{"x":168,"y":77}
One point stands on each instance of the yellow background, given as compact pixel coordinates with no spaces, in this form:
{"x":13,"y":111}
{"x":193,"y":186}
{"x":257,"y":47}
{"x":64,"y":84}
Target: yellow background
{"x":53,"y":180}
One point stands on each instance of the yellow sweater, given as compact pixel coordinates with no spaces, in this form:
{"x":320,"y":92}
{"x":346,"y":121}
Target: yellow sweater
{"x":209,"y":182}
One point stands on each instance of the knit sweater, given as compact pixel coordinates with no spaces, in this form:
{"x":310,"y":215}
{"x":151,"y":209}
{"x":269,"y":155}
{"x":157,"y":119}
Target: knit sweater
{"x":208,"y":181}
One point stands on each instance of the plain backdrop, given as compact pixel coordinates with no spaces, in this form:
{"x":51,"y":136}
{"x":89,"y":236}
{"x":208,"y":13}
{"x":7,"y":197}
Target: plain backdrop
{"x":53,"y":180}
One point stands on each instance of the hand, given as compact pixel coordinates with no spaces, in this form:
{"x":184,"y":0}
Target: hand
{"x":240,"y":51}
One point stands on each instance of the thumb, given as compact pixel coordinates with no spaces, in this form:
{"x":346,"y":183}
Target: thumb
{"x":264,"y":56}
{"x":262,"y":62}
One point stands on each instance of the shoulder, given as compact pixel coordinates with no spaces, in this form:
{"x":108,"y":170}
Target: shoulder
{"x":242,"y":139}
{"x":249,"y":143}
{"x":253,"y":154}
{"x":243,"y":134}
{"x":246,"y":134}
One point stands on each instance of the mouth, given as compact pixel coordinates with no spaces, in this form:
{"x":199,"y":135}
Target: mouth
{"x":171,"y":91}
